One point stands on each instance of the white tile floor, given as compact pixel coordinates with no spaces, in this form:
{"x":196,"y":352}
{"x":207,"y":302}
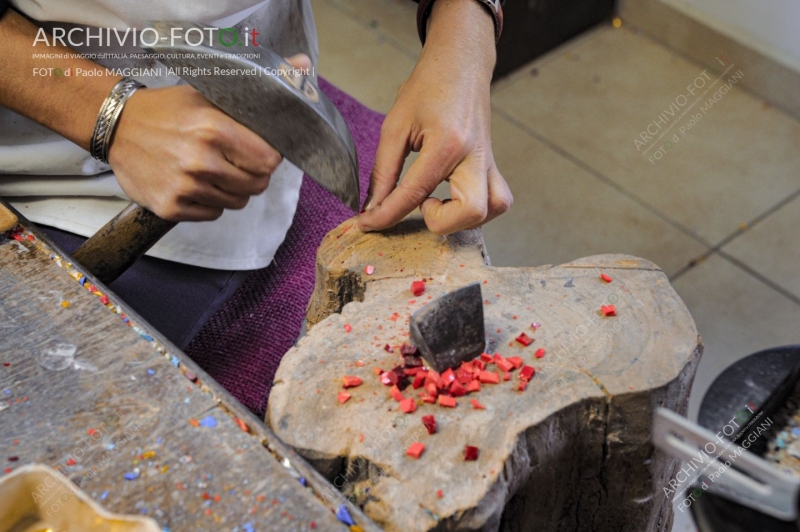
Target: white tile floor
{"x":720,"y":212}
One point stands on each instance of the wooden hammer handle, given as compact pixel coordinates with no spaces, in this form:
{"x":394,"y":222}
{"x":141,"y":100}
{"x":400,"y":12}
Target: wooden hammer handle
{"x":119,"y":243}
{"x":8,"y":220}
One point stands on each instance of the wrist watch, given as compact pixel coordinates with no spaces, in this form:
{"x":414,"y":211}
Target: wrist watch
{"x":495,"y":8}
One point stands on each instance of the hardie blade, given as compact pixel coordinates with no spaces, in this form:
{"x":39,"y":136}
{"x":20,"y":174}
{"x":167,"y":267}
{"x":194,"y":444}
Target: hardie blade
{"x":450,"y":330}
{"x":266,"y":95}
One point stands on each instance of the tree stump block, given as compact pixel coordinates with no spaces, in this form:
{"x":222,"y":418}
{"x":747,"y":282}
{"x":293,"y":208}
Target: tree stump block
{"x":571,"y":452}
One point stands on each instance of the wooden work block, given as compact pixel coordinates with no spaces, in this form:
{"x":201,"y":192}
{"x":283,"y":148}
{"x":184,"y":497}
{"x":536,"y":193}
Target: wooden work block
{"x":570,"y":452}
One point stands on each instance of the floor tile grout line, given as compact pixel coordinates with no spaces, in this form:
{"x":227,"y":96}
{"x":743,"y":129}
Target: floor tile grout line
{"x":758,"y":219}
{"x":765,"y":280}
{"x":740,"y":232}
{"x":690,"y":59}
{"x":600,"y":176}
{"x":392,"y":41}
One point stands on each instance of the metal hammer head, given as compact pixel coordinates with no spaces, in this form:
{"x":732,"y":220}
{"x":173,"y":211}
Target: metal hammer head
{"x":258,"y":89}
{"x":450,"y":330}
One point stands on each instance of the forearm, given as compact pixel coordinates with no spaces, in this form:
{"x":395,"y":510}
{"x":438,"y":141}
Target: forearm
{"x":66,"y":104}
{"x":463,"y":29}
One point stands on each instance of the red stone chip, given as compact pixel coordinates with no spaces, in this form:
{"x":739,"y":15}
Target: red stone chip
{"x":343,"y":397}
{"x":503,"y":364}
{"x":351,"y":381}
{"x":516,"y":362}
{"x":608,"y":310}
{"x":446,"y":400}
{"x":430,"y":424}
{"x":606,"y":278}
{"x":476,"y":405}
{"x":524,"y":339}
{"x":397,"y":395}
{"x":471,"y":453}
{"x":489,"y":377}
{"x":527,"y":373}
{"x":418,"y":288}
{"x":457,"y":390}
{"x":539,"y":353}
{"x":408,"y":405}
{"x":415,"y":450}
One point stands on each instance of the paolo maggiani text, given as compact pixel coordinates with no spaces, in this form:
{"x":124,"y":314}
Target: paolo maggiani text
{"x":168,"y":71}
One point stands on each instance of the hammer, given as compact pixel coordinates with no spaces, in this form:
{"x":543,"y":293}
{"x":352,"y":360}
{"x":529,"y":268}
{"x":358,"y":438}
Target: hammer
{"x":269,"y":97}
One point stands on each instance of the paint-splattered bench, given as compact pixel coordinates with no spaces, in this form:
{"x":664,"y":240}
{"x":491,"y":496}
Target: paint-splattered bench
{"x":563,"y":449}
{"x":89,"y":389}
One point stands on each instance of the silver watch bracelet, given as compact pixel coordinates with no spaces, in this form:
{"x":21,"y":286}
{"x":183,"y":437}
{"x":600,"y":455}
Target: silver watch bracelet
{"x":107,"y":119}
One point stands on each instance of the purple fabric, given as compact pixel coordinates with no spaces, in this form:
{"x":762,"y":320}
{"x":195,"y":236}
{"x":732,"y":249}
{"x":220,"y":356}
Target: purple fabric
{"x":243,"y":343}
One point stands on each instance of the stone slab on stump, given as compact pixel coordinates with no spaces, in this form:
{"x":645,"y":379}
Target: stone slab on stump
{"x":572,"y":452}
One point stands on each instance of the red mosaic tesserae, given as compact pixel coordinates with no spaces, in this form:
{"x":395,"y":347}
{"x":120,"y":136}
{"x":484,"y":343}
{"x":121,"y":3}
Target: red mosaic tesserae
{"x":524,"y":339}
{"x":471,"y":453}
{"x":477,"y":405}
{"x":343,"y":397}
{"x":516,"y":361}
{"x":539,"y":353}
{"x":606,"y":278}
{"x":489,"y":377}
{"x":446,"y":400}
{"x":527,"y":373}
{"x":397,"y":395}
{"x":408,"y":405}
{"x":608,"y":310}
{"x":430,"y":424}
{"x":418,"y":288}
{"x":350,"y":381}
{"x":415,"y":450}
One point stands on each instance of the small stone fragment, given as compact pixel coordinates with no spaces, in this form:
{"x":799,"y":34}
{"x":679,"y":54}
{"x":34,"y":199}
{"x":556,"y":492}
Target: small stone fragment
{"x":524,"y":339}
{"x":476,"y":405}
{"x":343,"y":397}
{"x":608,"y":310}
{"x":539,"y":353}
{"x":396,"y":394}
{"x":408,"y":405}
{"x":606,"y":278}
{"x":343,"y":515}
{"x":489,"y":377}
{"x":415,"y":449}
{"x":447,"y":401}
{"x":527,"y":373}
{"x":430,"y":424}
{"x":418,"y":288}
{"x":517,"y":362}
{"x":351,"y":381}
{"x":471,"y":453}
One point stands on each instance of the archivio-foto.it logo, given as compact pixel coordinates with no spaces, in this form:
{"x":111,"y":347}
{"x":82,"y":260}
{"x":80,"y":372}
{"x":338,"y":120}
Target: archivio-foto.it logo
{"x":146,"y":37}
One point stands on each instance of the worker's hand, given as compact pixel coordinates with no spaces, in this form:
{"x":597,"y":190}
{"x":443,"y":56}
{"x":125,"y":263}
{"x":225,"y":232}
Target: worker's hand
{"x":443,"y":111}
{"x":178,"y":155}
